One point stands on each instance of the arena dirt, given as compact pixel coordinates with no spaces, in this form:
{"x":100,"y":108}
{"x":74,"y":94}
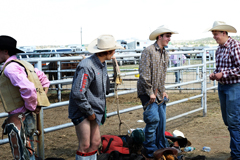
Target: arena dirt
{"x":201,"y":131}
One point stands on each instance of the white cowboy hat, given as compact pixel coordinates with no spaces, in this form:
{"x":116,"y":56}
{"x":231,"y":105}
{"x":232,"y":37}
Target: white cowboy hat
{"x":161,"y":30}
{"x":103,"y":43}
{"x":177,"y":133}
{"x":222,"y":26}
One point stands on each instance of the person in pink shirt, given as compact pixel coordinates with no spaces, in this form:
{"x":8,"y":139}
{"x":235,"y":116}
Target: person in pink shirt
{"x":20,"y":124}
{"x":177,"y":60}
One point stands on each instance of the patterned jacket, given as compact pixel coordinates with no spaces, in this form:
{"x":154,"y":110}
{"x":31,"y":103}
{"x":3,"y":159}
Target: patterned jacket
{"x":152,"y":69}
{"x":88,"y":94}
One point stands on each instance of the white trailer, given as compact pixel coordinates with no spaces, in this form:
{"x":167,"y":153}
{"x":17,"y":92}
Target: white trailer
{"x":139,"y":44}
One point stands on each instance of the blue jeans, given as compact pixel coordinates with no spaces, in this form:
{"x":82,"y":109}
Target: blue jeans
{"x":155,"y":118}
{"x":177,"y":74}
{"x":229,"y":95}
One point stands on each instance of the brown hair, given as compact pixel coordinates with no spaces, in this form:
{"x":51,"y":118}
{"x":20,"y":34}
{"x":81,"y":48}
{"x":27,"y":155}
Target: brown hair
{"x":101,"y":54}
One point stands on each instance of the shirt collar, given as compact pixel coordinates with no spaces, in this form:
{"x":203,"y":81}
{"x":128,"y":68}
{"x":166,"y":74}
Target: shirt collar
{"x":158,"y":48}
{"x":9,"y":59}
{"x":227,"y":43}
{"x":97,"y":61}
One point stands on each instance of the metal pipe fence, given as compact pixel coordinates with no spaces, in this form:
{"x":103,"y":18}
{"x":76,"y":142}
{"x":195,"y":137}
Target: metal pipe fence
{"x":200,"y":67}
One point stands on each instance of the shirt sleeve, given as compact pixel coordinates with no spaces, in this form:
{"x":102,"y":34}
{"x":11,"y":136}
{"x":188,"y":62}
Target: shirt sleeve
{"x":18,"y":78}
{"x":43,"y":78}
{"x":80,"y":86}
{"x":235,"y":72}
{"x":145,"y":72}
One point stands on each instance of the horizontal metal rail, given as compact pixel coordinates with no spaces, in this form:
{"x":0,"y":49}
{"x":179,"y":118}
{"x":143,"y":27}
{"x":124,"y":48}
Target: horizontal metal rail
{"x":66,"y":125}
{"x":135,"y":55}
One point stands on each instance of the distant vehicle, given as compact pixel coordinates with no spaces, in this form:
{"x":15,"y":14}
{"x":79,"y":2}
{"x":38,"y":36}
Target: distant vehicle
{"x":45,"y":64}
{"x":21,"y":56}
{"x":209,"y":53}
{"x":79,"y":48}
{"x":124,"y":60}
{"x":123,"y":43}
{"x":27,"y":48}
{"x":139,"y":44}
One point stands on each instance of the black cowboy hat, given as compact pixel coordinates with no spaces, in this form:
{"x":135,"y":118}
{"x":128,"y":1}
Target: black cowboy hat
{"x":9,"y":43}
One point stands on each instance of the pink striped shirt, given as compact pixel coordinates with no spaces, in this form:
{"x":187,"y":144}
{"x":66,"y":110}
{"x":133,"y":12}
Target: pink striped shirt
{"x":18,"y":77}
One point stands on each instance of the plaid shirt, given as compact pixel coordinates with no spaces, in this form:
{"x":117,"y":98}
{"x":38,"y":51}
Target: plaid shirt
{"x":228,"y":61}
{"x":152,"y":69}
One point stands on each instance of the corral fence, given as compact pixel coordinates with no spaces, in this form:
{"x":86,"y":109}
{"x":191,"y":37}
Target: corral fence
{"x":201,"y":67}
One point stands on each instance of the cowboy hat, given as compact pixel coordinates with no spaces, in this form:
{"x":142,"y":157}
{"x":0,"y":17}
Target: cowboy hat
{"x":103,"y":43}
{"x":158,"y":154}
{"x":179,"y":134}
{"x":161,"y":30}
{"x":222,"y":26}
{"x":9,"y":43}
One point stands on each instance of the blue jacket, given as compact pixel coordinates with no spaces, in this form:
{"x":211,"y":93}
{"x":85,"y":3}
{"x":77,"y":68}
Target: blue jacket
{"x":88,"y":94}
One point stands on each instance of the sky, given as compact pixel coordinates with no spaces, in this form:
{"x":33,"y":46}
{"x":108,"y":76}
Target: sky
{"x":59,"y":22}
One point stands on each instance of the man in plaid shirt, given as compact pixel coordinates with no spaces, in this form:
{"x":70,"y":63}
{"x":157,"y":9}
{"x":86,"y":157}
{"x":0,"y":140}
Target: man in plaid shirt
{"x":151,"y":90}
{"x":227,"y":73}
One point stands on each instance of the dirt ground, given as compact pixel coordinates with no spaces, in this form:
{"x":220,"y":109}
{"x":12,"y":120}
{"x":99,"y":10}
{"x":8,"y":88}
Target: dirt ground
{"x":201,"y":131}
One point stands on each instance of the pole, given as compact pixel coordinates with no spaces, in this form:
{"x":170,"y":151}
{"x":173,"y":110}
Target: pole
{"x":81,"y":36}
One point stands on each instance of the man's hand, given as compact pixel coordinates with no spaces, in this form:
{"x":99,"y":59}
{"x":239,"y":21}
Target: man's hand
{"x":92,"y":117}
{"x":152,"y":98}
{"x":45,"y":89}
{"x":37,"y":110}
{"x":212,"y":77}
{"x":165,"y":95}
{"x":216,"y":76}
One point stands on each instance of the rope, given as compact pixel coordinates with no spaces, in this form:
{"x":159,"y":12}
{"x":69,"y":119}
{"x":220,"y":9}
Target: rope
{"x":118,"y":81}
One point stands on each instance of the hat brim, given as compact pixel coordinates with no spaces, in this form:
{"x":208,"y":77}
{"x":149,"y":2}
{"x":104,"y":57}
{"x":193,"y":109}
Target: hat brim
{"x":92,"y":47}
{"x":11,"y":49}
{"x":158,"y":32}
{"x":164,"y":151}
{"x":183,"y":142}
{"x":226,"y":28}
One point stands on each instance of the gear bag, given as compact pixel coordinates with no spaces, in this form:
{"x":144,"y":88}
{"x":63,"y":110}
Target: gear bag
{"x":114,"y":143}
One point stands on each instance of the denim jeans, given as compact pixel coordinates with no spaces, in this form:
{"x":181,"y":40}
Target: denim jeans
{"x":229,"y":95}
{"x":155,"y":118}
{"x":177,"y":74}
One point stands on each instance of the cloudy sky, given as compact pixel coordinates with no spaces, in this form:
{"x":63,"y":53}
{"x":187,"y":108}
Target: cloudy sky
{"x":58,"y":22}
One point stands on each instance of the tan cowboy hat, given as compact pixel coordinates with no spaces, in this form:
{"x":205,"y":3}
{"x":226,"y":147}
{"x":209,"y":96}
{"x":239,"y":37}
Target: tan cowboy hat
{"x":161,"y":30}
{"x":103,"y":43}
{"x":222,"y":26}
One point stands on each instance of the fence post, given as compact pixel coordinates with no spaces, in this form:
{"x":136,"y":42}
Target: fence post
{"x":204,"y":83}
{"x":59,"y":77}
{"x":40,"y":126}
{"x":40,"y":135}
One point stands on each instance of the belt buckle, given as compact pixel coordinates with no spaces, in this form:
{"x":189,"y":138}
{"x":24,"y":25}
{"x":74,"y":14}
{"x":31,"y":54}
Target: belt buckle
{"x":220,"y":82}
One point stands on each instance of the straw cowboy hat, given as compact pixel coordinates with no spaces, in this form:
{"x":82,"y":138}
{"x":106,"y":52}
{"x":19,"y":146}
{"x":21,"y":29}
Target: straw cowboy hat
{"x":222,"y":26}
{"x":9,"y":43}
{"x":103,"y":43}
{"x":161,"y":30}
